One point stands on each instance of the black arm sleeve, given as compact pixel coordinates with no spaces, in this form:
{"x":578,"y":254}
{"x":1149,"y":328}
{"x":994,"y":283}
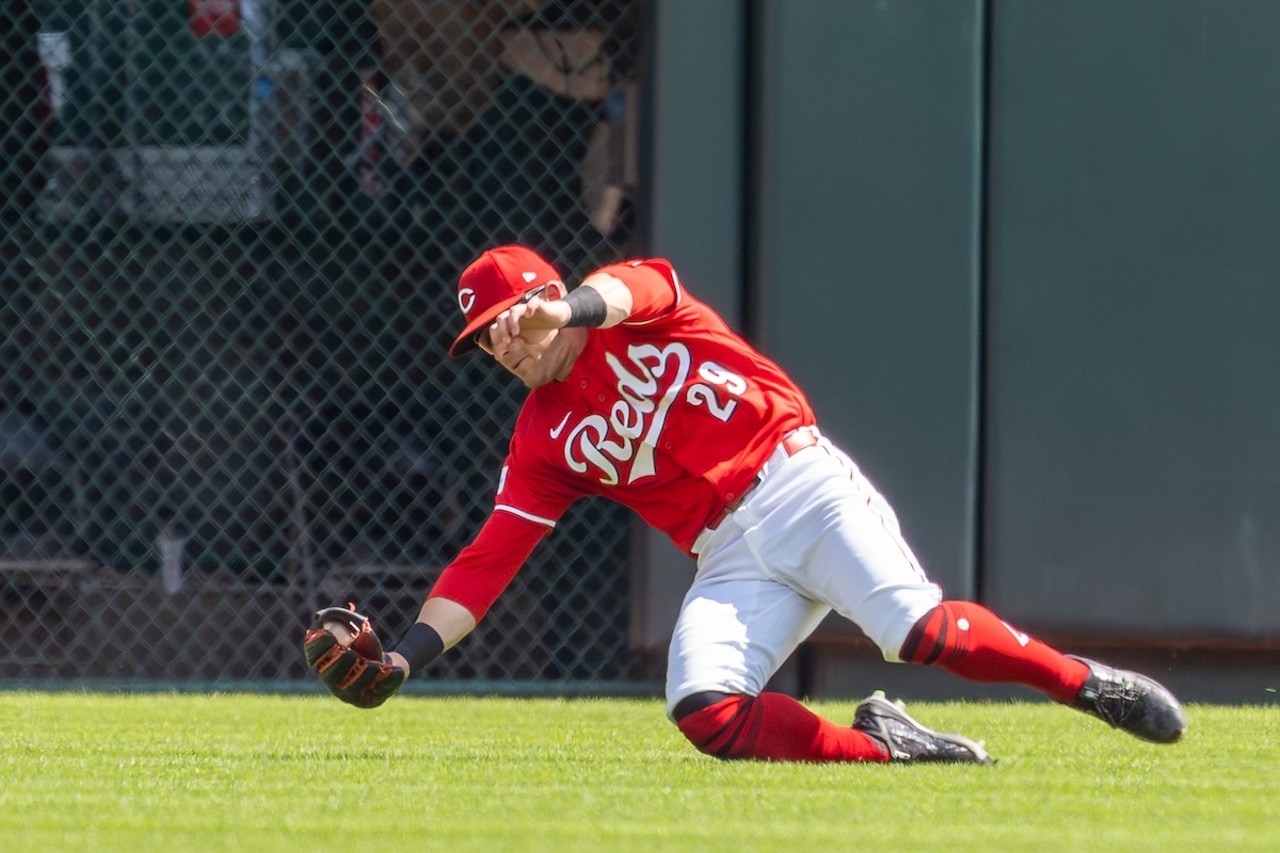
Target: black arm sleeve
{"x":420,"y":646}
{"x":586,"y":307}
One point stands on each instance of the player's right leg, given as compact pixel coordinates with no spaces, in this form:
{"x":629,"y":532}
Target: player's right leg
{"x":857,"y":561}
{"x":1132,"y":702}
{"x":969,"y":640}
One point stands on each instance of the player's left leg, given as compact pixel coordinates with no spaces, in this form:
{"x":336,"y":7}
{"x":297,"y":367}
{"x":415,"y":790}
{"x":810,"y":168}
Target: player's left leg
{"x":733,"y":632}
{"x":741,"y":620}
{"x":769,"y":726}
{"x":775,"y":727}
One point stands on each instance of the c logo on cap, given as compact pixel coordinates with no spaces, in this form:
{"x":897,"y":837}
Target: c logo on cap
{"x":466,"y":299}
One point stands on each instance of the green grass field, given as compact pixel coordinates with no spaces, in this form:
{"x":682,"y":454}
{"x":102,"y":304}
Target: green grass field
{"x":86,"y":771}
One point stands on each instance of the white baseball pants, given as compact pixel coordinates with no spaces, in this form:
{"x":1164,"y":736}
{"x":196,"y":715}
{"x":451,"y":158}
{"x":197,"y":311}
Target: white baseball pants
{"x":812,"y":537}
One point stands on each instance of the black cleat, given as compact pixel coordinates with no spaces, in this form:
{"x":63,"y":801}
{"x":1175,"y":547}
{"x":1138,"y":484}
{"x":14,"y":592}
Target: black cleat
{"x":907,"y":740}
{"x":1131,"y":701}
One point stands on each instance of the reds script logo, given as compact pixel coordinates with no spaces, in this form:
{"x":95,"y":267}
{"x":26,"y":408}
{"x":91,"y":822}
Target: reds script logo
{"x":647,"y":385}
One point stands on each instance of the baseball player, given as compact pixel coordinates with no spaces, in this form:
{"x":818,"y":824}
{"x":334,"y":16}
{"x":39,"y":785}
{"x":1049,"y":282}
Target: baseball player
{"x":642,"y":394}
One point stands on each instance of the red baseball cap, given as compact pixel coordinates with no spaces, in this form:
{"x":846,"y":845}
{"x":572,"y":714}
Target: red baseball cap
{"x":493,"y":283}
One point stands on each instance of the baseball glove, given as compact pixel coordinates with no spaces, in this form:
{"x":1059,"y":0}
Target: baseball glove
{"x":358,"y":679}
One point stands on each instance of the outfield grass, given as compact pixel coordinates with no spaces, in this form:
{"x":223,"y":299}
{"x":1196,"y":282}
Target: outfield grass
{"x":84,"y":771}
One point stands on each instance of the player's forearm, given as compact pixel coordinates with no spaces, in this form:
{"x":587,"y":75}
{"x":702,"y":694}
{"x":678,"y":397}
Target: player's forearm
{"x":449,"y":621}
{"x":617,"y":297}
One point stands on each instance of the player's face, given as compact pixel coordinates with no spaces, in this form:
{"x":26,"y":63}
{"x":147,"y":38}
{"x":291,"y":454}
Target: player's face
{"x":532,"y":355}
{"x":521,"y":340}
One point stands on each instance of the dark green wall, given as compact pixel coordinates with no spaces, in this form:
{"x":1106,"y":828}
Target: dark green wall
{"x":865,"y":238}
{"x":1134,"y":270}
{"x":699,"y":127}
{"x":1024,"y":257}
{"x":694,"y":192}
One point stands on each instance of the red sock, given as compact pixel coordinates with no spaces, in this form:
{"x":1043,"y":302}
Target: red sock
{"x":774,"y":727}
{"x":972,"y":642}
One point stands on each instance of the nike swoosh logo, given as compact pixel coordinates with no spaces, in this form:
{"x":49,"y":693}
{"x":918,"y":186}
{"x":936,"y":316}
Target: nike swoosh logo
{"x":555,"y":433}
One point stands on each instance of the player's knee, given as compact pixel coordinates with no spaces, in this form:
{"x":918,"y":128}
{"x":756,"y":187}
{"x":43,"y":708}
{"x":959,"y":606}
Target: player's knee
{"x":712,"y":721}
{"x":929,"y":637}
{"x":696,"y":702}
{"x":889,"y":615}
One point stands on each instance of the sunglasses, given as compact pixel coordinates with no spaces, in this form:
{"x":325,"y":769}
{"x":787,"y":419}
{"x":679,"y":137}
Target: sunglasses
{"x":481,"y":338}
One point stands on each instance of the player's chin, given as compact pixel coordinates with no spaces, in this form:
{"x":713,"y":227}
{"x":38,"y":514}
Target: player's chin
{"x":533,"y":380}
{"x":529,"y":371}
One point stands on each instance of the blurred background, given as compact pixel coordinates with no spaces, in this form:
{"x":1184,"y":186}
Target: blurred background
{"x":1022,"y":255}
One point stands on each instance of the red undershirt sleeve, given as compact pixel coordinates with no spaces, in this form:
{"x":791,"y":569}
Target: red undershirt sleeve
{"x":482,"y":570}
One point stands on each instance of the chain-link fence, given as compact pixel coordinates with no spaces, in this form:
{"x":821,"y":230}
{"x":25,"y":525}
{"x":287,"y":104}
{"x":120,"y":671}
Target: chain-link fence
{"x":231,"y":236}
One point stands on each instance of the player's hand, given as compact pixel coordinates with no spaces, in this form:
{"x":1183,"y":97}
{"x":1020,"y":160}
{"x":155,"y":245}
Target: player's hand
{"x":530,"y":320}
{"x":355,"y":678}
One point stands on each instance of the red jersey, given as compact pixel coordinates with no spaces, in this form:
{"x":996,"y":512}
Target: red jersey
{"x":669,"y":413}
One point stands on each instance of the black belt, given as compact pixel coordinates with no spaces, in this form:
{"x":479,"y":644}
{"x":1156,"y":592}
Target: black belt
{"x":793,"y":443}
